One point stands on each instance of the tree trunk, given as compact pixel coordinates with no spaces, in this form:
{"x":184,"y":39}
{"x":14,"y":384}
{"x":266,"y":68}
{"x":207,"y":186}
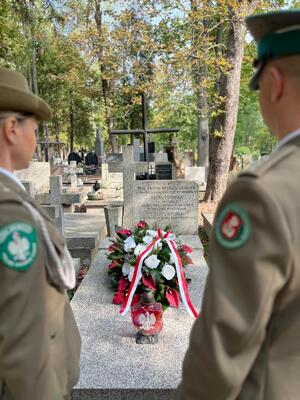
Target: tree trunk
{"x":200,"y":72}
{"x":225,"y":124}
{"x":71,"y":116}
{"x":106,"y":86}
{"x":202,"y":128}
{"x":33,"y":70}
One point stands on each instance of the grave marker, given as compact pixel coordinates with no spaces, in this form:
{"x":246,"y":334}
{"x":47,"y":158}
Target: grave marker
{"x":130,"y":169}
{"x":173,"y":203}
{"x":197,"y":174}
{"x":56,"y":198}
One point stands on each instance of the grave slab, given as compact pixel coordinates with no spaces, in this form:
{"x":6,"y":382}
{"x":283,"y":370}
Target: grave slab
{"x":83,"y":233}
{"x":113,"y":366}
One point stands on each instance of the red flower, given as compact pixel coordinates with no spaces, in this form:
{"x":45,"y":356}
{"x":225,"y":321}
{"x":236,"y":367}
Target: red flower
{"x":124,"y":232}
{"x":187,"y":260}
{"x":113,"y":265}
{"x":136,"y":299}
{"x":186,"y":248}
{"x":119,"y":297}
{"x":172,"y":297}
{"x":123,"y":283}
{"x":148,"y":281}
{"x":113,"y":247}
{"x":142,"y":225}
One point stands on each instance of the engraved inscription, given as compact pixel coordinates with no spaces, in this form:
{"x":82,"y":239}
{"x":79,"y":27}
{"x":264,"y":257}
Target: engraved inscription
{"x":167,"y":203}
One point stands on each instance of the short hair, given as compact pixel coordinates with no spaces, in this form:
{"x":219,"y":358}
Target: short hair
{"x":20,"y":116}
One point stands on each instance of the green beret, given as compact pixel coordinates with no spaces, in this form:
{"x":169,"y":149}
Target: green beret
{"x":277,"y":35}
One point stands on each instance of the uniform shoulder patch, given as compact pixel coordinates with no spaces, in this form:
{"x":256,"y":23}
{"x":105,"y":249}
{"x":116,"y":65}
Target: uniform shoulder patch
{"x":233,"y":226}
{"x":18,"y":245}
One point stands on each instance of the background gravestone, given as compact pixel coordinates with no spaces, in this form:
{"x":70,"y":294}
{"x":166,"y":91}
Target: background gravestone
{"x":38,"y":173}
{"x":130,"y":170}
{"x":197,"y":174}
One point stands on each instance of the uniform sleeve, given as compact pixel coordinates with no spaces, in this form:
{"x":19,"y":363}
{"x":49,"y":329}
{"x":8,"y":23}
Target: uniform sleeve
{"x":25,"y":343}
{"x":246,"y":274}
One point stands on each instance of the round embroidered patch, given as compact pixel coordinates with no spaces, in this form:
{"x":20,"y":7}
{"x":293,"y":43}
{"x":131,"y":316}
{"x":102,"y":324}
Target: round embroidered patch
{"x":232,"y":227}
{"x":18,"y":245}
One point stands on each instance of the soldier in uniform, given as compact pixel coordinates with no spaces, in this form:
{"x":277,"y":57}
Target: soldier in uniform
{"x":245,"y":343}
{"x":39,"y":340}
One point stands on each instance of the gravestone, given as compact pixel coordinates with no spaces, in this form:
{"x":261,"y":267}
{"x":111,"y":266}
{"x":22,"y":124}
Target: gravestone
{"x":173,"y":203}
{"x":72,"y":172}
{"x":130,"y":170}
{"x":197,"y":174}
{"x":99,"y":150}
{"x":166,"y":202}
{"x":56,"y":198}
{"x":113,"y":217}
{"x":161,"y":158}
{"x":38,"y":173}
{"x":138,"y":151}
{"x":164,"y":171}
{"x":112,"y":365}
{"x":111,"y":180}
{"x":114,"y":161}
{"x":29,"y":188}
{"x":189,"y":158}
{"x":163,"y":168}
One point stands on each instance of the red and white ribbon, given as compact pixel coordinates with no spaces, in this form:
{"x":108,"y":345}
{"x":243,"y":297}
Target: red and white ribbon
{"x":137,"y":274}
{"x":183,"y":287}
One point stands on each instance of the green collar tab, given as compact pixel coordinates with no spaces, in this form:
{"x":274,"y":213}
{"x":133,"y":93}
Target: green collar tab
{"x":279,"y":44}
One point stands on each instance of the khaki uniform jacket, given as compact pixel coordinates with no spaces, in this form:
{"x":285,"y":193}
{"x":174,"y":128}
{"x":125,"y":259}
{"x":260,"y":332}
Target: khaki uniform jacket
{"x":39,"y":340}
{"x":245,"y":344}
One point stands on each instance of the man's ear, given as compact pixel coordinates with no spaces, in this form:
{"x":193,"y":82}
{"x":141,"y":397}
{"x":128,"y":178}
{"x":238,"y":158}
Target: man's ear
{"x":10,"y":127}
{"x":277,"y":83}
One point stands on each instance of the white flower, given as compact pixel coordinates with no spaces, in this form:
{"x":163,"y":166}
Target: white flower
{"x":152,"y":262}
{"x":151,"y":233}
{"x":130,"y":275}
{"x":172,"y":259}
{"x":139,"y":248}
{"x":168,"y":271}
{"x":158,"y":245}
{"x":147,"y":239}
{"x":126,"y":268}
{"x":129,"y":244}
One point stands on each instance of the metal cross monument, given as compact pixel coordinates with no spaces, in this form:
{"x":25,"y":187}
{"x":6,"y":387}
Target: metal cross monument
{"x":47,"y":143}
{"x":144,"y":131}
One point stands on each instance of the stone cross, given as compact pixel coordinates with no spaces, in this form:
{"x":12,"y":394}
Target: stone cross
{"x":51,"y":210}
{"x":56,"y":198}
{"x":130,"y":170}
{"x":73,"y":176}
